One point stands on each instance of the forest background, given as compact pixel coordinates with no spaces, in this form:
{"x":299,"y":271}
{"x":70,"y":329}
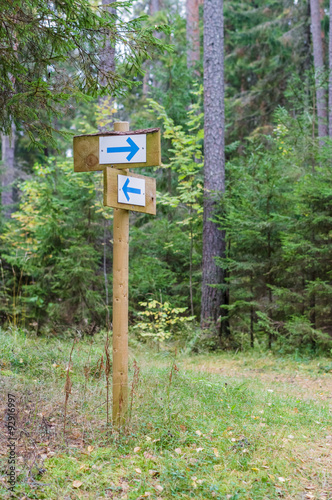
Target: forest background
{"x":275,"y":213}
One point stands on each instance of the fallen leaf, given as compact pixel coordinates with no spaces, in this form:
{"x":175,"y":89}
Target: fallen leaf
{"x":148,"y":438}
{"x":153,"y":472}
{"x":198,"y":433}
{"x":255,"y":469}
{"x":183,"y":428}
{"x":178,"y":451}
{"x":281,"y":479}
{"x":148,"y":456}
{"x":290,"y":436}
{"x":216,"y":452}
{"x":199,"y":449}
{"x":138,"y":470}
{"x":137,"y":449}
{"x":159,"y":488}
{"x":77,"y":484}
{"x":90,"y":449}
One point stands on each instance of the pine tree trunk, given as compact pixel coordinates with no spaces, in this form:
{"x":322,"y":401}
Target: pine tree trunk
{"x":214,"y":160}
{"x":319,"y":67}
{"x":330,"y":74}
{"x":193,"y":52}
{"x":107,"y":62}
{"x":153,"y":9}
{"x":8,"y":172}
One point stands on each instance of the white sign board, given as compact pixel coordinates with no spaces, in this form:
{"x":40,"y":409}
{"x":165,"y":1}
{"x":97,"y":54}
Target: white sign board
{"x":122,"y":149}
{"x":131,"y":190}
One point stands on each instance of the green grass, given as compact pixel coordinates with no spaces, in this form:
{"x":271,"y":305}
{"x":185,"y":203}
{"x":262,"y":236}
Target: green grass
{"x":242,"y":432}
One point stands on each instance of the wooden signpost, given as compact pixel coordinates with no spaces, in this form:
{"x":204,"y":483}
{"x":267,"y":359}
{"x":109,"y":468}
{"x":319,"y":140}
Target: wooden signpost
{"x":114,"y":152}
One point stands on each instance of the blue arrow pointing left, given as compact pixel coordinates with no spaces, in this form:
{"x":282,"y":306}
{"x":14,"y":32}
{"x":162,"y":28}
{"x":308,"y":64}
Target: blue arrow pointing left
{"x":133,"y":149}
{"x":127,"y":189}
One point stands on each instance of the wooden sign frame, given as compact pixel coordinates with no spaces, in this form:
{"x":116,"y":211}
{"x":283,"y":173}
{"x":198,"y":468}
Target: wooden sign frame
{"x":86,"y":151}
{"x":111,"y":191}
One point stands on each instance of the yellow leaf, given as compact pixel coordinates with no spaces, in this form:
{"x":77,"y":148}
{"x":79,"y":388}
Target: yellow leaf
{"x":90,"y":449}
{"x":255,"y":469}
{"x":84,"y":467}
{"x":77,"y":484}
{"x":216,"y":452}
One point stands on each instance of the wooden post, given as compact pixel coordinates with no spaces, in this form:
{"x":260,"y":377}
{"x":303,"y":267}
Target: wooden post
{"x":120,"y":307}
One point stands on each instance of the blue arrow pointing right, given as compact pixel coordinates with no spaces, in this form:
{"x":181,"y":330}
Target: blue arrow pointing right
{"x":133,"y":149}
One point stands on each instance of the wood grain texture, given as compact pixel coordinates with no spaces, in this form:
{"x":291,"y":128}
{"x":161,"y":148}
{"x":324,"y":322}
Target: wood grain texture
{"x":111,"y":191}
{"x":120,"y":315}
{"x":86,"y":151}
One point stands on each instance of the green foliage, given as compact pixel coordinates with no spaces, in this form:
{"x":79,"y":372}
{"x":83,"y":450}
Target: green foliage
{"x":51,"y":247}
{"x":50,"y":54}
{"x":160,"y":321}
{"x":278,"y":223}
{"x":262,"y":39}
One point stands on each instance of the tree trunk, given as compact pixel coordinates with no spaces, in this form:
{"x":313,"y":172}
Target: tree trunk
{"x":107,"y":62}
{"x":330,"y":72}
{"x":8,"y":172}
{"x":319,"y":67}
{"x":153,"y":9}
{"x":193,"y":52}
{"x":214,"y":160}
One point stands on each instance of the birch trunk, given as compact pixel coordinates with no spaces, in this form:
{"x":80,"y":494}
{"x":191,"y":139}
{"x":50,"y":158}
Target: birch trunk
{"x":214,"y":160}
{"x":319,"y":67}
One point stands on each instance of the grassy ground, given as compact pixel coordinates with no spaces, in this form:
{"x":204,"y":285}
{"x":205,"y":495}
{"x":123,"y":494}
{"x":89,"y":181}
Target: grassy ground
{"x":245,"y":426}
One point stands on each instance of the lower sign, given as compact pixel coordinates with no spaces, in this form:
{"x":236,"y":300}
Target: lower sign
{"x":131,"y":190}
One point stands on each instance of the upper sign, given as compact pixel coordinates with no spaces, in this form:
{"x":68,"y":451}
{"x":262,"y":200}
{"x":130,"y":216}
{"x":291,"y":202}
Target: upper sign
{"x":122,"y":149}
{"x":131,"y":190}
{"x":140,"y":148}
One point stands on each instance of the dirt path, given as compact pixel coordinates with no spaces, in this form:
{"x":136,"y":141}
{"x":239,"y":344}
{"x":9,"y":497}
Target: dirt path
{"x":318,"y":387}
{"x":314,"y":459}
